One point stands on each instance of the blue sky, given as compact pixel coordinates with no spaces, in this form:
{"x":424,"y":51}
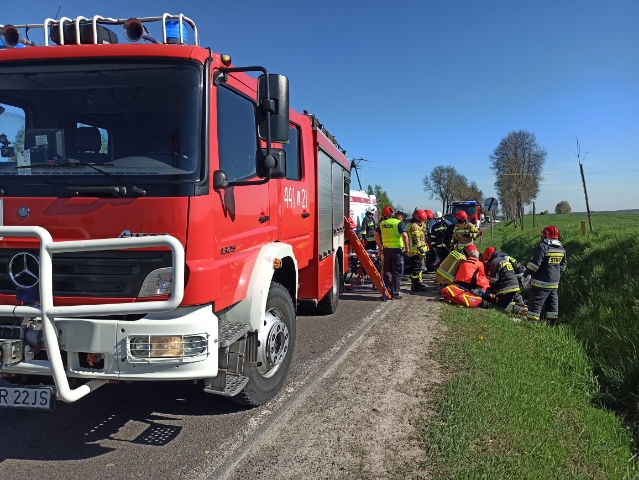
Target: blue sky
{"x":411,"y":85}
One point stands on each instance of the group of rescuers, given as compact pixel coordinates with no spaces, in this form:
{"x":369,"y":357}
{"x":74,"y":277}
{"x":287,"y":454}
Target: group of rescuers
{"x":494,"y":276}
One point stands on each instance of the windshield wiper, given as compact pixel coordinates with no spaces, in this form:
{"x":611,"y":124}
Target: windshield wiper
{"x":113,"y":190}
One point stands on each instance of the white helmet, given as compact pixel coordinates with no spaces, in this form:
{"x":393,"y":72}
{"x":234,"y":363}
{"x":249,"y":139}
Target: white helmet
{"x":438,"y":214}
{"x":371,"y":209}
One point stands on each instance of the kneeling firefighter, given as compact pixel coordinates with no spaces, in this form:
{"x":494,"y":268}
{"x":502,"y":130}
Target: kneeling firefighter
{"x":417,"y":248}
{"x":471,"y":275}
{"x":504,"y":284}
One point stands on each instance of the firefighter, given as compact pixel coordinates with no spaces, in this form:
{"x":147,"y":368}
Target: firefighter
{"x":464,"y":232}
{"x":417,"y":249}
{"x":471,"y":275}
{"x":504,"y":284}
{"x":545,"y":267}
{"x":367,"y":229}
{"x":437,"y":237}
{"x":391,"y":236}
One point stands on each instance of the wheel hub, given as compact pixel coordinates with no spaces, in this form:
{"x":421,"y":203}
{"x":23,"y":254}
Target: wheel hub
{"x":273,"y":346}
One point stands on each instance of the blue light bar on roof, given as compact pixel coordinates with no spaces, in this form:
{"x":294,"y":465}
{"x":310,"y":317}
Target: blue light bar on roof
{"x":173,"y":32}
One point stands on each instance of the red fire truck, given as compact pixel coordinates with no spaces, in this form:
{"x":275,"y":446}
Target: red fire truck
{"x":163,"y":212}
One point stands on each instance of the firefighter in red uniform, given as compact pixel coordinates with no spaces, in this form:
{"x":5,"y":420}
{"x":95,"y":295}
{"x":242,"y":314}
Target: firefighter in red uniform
{"x":545,"y":267}
{"x":471,"y":275}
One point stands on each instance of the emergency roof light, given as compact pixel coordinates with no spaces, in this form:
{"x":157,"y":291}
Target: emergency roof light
{"x":173,"y":30}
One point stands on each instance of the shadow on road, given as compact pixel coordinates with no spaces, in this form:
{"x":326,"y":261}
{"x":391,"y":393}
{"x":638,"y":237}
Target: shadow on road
{"x":137,"y":413}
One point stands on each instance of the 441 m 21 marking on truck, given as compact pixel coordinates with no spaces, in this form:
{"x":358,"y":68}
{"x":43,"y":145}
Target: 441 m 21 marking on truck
{"x":295,"y":197}
{"x":153,"y":136}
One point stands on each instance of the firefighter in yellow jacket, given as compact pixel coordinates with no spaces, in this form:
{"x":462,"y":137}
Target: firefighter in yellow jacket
{"x":417,"y":248}
{"x":464,"y":232}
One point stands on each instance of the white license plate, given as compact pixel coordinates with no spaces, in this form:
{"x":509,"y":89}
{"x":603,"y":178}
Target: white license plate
{"x":40,"y":398}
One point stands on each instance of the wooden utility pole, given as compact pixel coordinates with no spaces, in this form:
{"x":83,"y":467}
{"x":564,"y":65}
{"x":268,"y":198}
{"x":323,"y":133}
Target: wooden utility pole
{"x":583,"y":179}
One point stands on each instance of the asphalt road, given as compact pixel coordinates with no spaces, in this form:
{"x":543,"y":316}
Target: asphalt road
{"x":167,"y":430}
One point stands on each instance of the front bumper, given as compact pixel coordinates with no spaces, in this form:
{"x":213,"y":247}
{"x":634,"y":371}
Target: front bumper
{"x":69,"y":327}
{"x":107,"y":341}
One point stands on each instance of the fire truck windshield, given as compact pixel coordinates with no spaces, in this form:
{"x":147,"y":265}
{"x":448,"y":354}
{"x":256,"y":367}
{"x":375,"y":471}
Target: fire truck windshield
{"x":140,"y":119}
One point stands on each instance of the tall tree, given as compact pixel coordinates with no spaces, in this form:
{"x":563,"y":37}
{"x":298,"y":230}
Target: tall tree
{"x":518,"y":163}
{"x":380,"y":194}
{"x":444,"y":183}
{"x":18,"y":144}
{"x":469,"y":191}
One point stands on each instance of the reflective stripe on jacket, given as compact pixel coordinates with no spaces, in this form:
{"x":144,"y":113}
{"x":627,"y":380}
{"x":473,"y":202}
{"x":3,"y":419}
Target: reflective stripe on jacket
{"x":416,"y":238}
{"x":547,"y":263}
{"x":502,"y":275}
{"x":464,"y":234}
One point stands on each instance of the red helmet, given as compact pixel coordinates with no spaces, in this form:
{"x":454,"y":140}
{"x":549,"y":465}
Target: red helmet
{"x":387,"y":211}
{"x":469,"y":248}
{"x":550,"y":232}
{"x":461,"y":216}
{"x":429,"y":214}
{"x":420,"y":215}
{"x":488,"y":253}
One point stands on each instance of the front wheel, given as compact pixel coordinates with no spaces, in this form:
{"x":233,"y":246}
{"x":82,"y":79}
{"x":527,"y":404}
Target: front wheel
{"x":276,"y":343}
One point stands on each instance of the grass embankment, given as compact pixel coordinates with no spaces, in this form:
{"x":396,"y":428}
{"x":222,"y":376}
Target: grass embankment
{"x":521,"y":405}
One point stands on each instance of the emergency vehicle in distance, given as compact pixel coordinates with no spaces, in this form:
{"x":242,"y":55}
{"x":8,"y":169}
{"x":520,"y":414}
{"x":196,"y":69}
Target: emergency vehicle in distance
{"x":471,"y":207}
{"x":360,"y":202}
{"x":163,"y":213}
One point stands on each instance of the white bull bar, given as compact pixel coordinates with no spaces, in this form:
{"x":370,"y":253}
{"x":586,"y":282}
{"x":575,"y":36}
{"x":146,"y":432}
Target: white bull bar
{"x":47,"y":311}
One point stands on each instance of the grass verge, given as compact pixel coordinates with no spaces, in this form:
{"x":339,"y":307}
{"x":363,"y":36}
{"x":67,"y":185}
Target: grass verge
{"x":519,"y":405}
{"x":598,"y":295}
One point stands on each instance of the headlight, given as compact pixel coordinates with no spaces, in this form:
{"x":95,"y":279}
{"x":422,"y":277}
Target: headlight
{"x":158,"y":282}
{"x":155,"y":346}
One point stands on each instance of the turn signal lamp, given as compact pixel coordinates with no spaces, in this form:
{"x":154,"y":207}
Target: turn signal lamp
{"x":173,"y":32}
{"x":158,"y":282}
{"x":225,"y":59}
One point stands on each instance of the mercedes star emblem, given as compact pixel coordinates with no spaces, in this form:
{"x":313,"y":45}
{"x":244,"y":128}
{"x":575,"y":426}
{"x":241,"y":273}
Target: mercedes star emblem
{"x":23,"y":212}
{"x":24,"y":270}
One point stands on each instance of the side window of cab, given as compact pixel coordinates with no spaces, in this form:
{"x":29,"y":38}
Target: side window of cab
{"x":293,"y":154}
{"x":236,"y":133}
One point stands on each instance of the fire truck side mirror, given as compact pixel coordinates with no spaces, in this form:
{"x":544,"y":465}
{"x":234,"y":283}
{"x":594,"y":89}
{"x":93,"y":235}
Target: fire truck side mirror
{"x":275,"y":162}
{"x":278,"y":105}
{"x":219,"y":180}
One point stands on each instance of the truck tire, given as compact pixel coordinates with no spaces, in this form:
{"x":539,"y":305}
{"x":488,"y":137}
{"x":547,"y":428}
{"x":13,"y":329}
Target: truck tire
{"x":275,"y":350}
{"x":328,"y":304}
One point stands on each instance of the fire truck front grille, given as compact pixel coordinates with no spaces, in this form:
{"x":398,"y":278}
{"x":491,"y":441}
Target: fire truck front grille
{"x":103,"y":273}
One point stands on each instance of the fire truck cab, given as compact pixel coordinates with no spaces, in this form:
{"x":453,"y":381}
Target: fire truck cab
{"x":162,"y":212}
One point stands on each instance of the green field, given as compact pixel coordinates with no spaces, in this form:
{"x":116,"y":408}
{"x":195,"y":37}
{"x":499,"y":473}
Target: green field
{"x":531,"y":401}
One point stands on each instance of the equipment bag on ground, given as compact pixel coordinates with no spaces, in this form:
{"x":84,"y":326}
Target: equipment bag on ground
{"x":458,"y":296}
{"x":448,"y":268}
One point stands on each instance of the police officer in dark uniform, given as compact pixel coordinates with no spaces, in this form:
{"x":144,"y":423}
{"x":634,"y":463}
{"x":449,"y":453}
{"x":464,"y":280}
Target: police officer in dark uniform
{"x":391,"y":235}
{"x":545,"y":267}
